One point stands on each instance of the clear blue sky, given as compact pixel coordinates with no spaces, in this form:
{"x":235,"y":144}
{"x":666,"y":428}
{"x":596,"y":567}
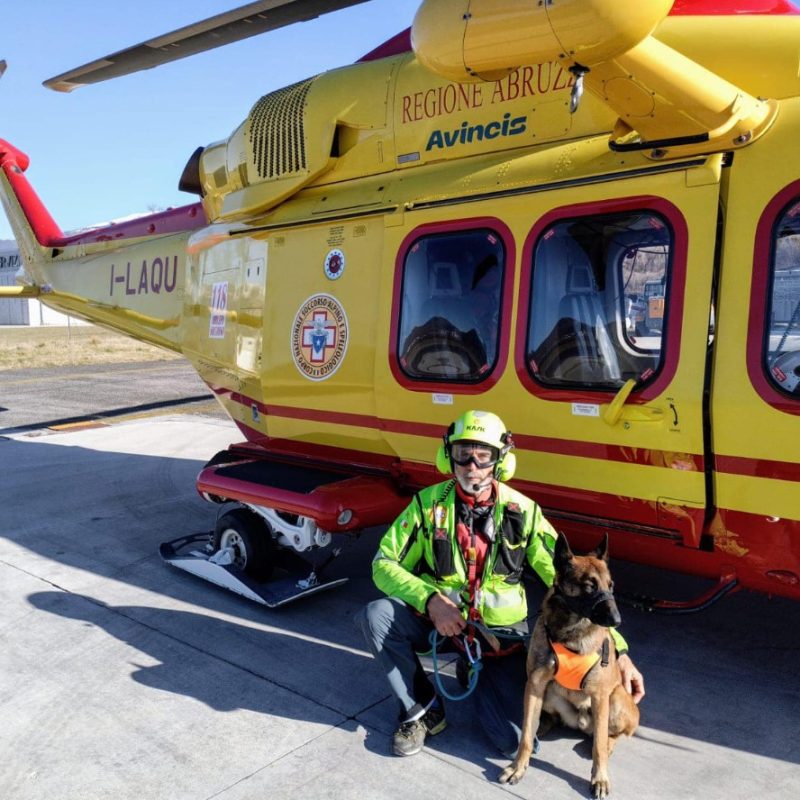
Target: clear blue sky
{"x":118,"y":148}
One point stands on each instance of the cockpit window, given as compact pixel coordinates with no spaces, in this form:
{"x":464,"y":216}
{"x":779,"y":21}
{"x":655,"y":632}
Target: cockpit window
{"x":450,"y":306}
{"x":599,"y":301}
{"x":782,"y":339}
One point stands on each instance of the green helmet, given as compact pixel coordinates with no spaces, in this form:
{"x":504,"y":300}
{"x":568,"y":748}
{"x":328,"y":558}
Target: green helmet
{"x":479,"y":426}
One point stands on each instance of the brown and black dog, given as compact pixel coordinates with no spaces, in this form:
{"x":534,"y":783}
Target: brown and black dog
{"x":576,"y":614}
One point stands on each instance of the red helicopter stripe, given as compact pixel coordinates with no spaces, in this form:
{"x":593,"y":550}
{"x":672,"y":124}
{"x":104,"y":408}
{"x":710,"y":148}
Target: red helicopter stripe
{"x":726,"y":8}
{"x":732,"y":465}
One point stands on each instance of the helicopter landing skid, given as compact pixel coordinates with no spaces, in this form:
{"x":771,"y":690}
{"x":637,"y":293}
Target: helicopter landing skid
{"x":194,"y":554}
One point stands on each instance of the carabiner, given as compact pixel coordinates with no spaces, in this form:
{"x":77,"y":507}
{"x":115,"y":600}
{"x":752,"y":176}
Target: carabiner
{"x":470,"y":657}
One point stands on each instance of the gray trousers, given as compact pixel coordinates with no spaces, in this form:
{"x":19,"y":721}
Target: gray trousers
{"x":395,"y":633}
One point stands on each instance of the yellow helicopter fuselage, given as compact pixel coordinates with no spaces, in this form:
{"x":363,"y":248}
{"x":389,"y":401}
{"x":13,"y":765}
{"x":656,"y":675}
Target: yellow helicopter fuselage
{"x":305,"y":286}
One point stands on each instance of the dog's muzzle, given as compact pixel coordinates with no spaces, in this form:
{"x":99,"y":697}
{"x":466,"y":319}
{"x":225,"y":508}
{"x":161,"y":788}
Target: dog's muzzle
{"x":599,"y":607}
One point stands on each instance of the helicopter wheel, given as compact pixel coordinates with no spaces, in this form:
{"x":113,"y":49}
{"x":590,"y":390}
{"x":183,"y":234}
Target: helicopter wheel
{"x":249,"y":539}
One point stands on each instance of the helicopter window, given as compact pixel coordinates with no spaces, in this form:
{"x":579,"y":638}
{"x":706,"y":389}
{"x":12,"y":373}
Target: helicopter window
{"x":782,"y":338}
{"x":450,"y":306}
{"x":599,"y":292}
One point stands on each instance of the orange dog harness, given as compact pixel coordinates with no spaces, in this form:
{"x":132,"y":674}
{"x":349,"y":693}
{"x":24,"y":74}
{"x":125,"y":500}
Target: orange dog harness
{"x":572,"y":668}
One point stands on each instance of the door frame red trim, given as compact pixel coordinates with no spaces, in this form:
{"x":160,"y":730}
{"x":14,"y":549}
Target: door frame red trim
{"x":677,"y":287}
{"x":763,"y":251}
{"x":464,"y":225}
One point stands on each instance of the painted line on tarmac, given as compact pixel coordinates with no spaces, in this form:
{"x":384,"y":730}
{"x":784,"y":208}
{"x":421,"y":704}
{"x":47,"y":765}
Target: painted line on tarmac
{"x":99,"y":418}
{"x":50,"y":378}
{"x":191,"y":408}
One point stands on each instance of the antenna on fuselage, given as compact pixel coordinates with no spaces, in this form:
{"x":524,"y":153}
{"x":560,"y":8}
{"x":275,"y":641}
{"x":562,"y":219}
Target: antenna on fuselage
{"x":578,"y":72}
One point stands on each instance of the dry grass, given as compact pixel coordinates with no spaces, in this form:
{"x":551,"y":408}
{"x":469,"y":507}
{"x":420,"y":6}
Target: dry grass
{"x":57,"y":346}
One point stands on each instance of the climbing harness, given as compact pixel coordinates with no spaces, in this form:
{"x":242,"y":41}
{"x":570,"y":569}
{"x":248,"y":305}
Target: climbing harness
{"x":475,"y":552}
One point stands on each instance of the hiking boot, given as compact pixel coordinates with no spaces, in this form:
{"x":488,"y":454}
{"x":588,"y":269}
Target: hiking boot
{"x":409,"y":738}
{"x":434,"y":718}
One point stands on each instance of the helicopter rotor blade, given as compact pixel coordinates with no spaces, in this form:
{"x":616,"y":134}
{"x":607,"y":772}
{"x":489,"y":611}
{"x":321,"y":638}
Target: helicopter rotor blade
{"x":230,"y":26}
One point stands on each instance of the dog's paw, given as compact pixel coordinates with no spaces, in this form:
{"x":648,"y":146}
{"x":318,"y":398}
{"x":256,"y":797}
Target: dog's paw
{"x":585,"y":721}
{"x":512,"y":774}
{"x":601,"y":787}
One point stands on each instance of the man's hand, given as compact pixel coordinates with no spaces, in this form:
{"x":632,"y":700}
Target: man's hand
{"x":632,"y":679}
{"x":445,"y":615}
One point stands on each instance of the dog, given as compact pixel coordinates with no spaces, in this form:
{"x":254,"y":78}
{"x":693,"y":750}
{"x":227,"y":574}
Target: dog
{"x":576,"y":614}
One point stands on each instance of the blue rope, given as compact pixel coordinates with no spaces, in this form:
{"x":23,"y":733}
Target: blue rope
{"x":473,"y":673}
{"x":476,"y":663}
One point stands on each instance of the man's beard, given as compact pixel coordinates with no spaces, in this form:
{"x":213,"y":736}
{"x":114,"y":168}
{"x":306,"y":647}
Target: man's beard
{"x":471,"y":484}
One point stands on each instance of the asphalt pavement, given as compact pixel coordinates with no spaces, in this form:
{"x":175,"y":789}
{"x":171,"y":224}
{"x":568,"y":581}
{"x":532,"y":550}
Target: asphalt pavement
{"x":58,"y":396}
{"x":124,"y":678}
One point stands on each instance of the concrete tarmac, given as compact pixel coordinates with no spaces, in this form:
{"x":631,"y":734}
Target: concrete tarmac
{"x":58,"y":396}
{"x":122,"y":678}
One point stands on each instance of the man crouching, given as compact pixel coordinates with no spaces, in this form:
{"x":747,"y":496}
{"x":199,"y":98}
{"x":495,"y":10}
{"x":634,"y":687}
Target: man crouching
{"x":455,"y":556}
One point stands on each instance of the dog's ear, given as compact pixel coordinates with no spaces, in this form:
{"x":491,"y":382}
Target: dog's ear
{"x":562,"y":555}
{"x":601,"y":551}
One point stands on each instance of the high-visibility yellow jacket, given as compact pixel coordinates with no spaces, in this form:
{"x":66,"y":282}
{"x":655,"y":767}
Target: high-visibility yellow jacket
{"x":419,"y":555}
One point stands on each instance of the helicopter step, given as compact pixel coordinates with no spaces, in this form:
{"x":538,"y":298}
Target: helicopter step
{"x":305,"y":501}
{"x":197,"y":555}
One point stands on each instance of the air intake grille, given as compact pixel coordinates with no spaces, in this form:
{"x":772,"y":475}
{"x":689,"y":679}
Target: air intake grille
{"x":277,"y":135}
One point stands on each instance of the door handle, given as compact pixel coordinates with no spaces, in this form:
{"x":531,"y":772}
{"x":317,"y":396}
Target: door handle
{"x":616,"y":410}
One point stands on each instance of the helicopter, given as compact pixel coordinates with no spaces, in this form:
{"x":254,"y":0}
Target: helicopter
{"x":579,"y":214}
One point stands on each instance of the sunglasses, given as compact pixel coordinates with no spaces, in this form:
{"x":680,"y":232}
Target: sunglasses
{"x":480,"y":455}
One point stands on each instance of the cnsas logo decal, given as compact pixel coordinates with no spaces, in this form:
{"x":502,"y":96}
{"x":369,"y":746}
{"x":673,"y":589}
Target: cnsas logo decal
{"x":476,"y":133}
